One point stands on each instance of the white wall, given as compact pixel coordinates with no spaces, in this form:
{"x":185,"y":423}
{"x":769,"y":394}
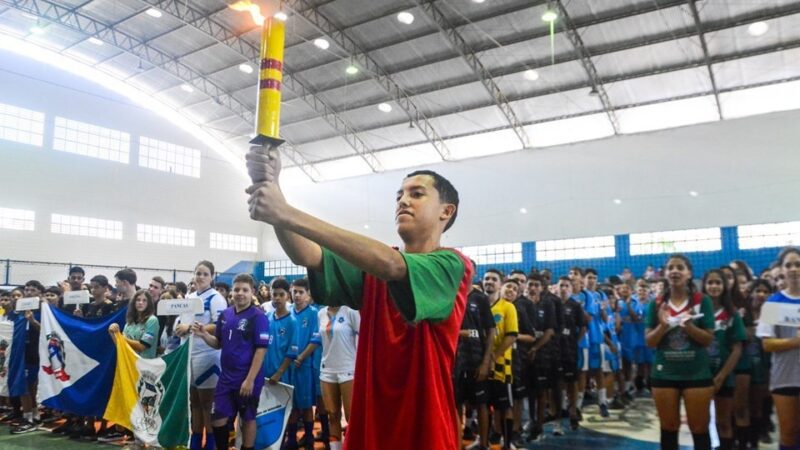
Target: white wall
{"x":745,"y":170}
{"x":49,"y":181}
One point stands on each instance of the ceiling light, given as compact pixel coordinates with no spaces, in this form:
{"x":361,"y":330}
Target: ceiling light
{"x":549,"y":16}
{"x":523,"y":211}
{"x":405,"y":17}
{"x":531,"y":75}
{"x":246,"y":68}
{"x":322,"y":43}
{"x":187,"y":87}
{"x":385,"y":107}
{"x":95,"y":41}
{"x":36,"y":29}
{"x":152,"y":12}
{"x":351,"y":69}
{"x":693,"y":193}
{"x":478,"y":1}
{"x":617,"y":201}
{"x":366,"y":226}
{"x":758,"y":28}
{"x":280,"y":15}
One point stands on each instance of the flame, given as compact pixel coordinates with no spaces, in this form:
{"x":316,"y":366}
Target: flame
{"x":252,"y":8}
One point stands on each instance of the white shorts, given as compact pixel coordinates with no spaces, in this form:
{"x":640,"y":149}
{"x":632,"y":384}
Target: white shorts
{"x":205,"y":371}
{"x":336,"y":377}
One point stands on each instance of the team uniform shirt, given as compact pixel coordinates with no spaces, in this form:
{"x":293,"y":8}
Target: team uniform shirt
{"x":205,"y":360}
{"x":610,"y":329}
{"x":678,"y":357}
{"x":282,"y":345}
{"x":339,"y":334}
{"x":477,"y":320}
{"x":785,"y":371}
{"x":543,"y":318}
{"x":596,"y":326}
{"x":558,"y":310}
{"x":145,"y":333}
{"x":647,"y":352}
{"x":240,"y":335}
{"x":745,"y":364}
{"x":507,"y":324}
{"x":307,"y":331}
{"x":519,"y":350}
{"x":728,"y":330}
{"x":570,"y":333}
{"x":94,"y":310}
{"x":408,"y":337}
{"x":759,"y":359}
{"x":630,"y":314}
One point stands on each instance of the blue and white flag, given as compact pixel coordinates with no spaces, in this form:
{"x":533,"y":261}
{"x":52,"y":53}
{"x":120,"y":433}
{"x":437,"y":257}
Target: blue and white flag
{"x":77,"y":359}
{"x":6,"y":339}
{"x":272,"y":415}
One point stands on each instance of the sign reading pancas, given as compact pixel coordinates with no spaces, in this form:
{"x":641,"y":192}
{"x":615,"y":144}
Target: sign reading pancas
{"x":780,"y":313}
{"x":27,"y":304}
{"x":76,"y":297}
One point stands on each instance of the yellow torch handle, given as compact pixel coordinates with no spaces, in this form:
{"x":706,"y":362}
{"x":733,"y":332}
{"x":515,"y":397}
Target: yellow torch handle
{"x":268,"y":110}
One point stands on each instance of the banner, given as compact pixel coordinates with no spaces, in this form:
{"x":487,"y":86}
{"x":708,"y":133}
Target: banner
{"x":76,"y":361}
{"x":781,"y":313}
{"x":151,"y":396}
{"x":274,"y":408}
{"x":6,"y":335}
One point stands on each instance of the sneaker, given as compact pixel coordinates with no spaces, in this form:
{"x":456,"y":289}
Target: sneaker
{"x":573,"y":423}
{"x":469,"y":434}
{"x":517,"y":441}
{"x":81,"y":430}
{"x":557,"y":429}
{"x":11,"y":417}
{"x":47,"y":416}
{"x":89,"y":433}
{"x":494,"y":438}
{"x":26,"y":427}
{"x":579,"y":414}
{"x":616,"y":404}
{"x":111,"y":436}
{"x":604,"y":411}
{"x":536,"y":434}
{"x":627,"y":397}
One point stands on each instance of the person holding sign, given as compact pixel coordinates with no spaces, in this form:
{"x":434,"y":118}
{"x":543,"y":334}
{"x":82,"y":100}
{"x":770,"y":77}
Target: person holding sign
{"x":783,"y":341}
{"x":411,"y":301}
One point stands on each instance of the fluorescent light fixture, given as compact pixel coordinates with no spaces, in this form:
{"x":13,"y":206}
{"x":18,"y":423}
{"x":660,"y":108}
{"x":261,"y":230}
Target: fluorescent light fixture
{"x":549,"y":16}
{"x":693,"y":193}
{"x":152,"y":12}
{"x":672,"y":114}
{"x":187,"y":88}
{"x":405,"y":17}
{"x":322,"y":43}
{"x":351,"y":70}
{"x":95,"y":41}
{"x":478,"y":1}
{"x":567,"y":131}
{"x":617,"y":201}
{"x":138,"y":96}
{"x":531,"y":75}
{"x":760,"y":100}
{"x":523,"y":211}
{"x":385,"y":107}
{"x":246,"y":68}
{"x":280,"y":15}
{"x":36,"y":29}
{"x":758,"y":29}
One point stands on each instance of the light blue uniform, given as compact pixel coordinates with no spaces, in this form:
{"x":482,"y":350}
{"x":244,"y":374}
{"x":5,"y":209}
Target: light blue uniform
{"x":303,"y":377}
{"x":632,"y":339}
{"x":282,"y":345}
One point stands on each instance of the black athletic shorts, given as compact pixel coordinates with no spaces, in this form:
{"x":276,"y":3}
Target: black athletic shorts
{"x":540,"y":377}
{"x":787,"y":391}
{"x":469,"y":390}
{"x":725,"y":391}
{"x":681,"y":384}
{"x":500,"y":396}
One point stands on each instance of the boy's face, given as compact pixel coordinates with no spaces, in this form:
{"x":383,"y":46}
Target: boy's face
{"x":591,"y":281}
{"x":623,"y":290}
{"x":564,"y":289}
{"x":32,"y":291}
{"x":510,"y":290}
{"x":51,"y":298}
{"x":300,"y":297}
{"x":5,"y":301}
{"x":75,"y":280}
{"x":97,"y":290}
{"x":155,"y":288}
{"x":534,"y":289}
{"x":419,"y":211}
{"x":279,"y":298}
{"x":242,"y":295}
{"x":491,"y":283}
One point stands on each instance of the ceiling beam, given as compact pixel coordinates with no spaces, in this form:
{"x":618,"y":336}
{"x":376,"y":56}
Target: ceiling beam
{"x":370,"y":66}
{"x":701,"y":35}
{"x":657,"y":38}
{"x":460,"y":44}
{"x":586,"y":60}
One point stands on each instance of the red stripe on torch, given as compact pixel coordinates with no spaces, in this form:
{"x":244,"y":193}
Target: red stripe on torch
{"x":271,"y":64}
{"x":270,"y":83}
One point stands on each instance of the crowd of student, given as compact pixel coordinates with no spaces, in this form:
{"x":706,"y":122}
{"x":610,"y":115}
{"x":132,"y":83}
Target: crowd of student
{"x":556,"y":346}
{"x":528,"y":343}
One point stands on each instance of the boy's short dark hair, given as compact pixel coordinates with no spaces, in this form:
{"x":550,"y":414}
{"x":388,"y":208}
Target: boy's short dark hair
{"x":241,"y":278}
{"x":447,"y":193}
{"x":301,"y":283}
{"x":281,"y":283}
{"x":76,"y":269}
{"x":181,"y":287}
{"x":54,"y":290}
{"x":590,"y":270}
{"x":498,"y":272}
{"x":35,"y":284}
{"x":160,"y":281}
{"x":564,"y":278}
{"x":4,"y":293}
{"x":537,"y":277}
{"x":223,"y":285}
{"x":577,"y":269}
{"x":100,"y":279}
{"x":126,"y":275}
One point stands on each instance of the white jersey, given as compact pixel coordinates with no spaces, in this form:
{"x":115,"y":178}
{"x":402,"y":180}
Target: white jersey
{"x":213,"y":305}
{"x":339,"y":335}
{"x":268,"y":308}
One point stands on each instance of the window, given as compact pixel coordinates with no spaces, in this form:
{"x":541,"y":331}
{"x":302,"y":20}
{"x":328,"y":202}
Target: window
{"x":85,"y":139}
{"x":282,"y":267}
{"x":768,"y":235}
{"x":581,"y":248}
{"x":165,"y":235}
{"x":166,"y":157}
{"x":234,"y":242}
{"x":697,"y":240}
{"x":85,"y":226}
{"x":494,"y":253}
{"x":21,"y":125}
{"x":17,"y":219}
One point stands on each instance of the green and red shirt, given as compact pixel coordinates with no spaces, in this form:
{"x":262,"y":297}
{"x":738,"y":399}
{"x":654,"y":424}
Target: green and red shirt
{"x":678,"y":357}
{"x":728,"y":330}
{"x":402,"y":393}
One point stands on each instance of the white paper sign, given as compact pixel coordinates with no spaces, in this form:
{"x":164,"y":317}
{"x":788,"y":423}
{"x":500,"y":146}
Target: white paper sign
{"x":76,"y":297}
{"x":783,"y":314}
{"x":27,"y":304}
{"x":190,"y":306}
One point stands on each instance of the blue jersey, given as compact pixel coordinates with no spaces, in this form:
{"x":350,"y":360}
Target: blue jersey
{"x":632,"y":335}
{"x":307,"y":330}
{"x":611,"y":325}
{"x":282,"y":344}
{"x":591,"y":302}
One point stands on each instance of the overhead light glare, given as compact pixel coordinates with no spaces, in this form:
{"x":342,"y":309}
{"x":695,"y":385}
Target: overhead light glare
{"x":36,"y":29}
{"x":187,"y":87}
{"x":366,"y":226}
{"x":617,"y":201}
{"x":478,"y":1}
{"x":322,"y":43}
{"x":549,"y":16}
{"x":758,"y":28}
{"x":385,"y":107}
{"x":351,"y":70}
{"x":531,"y":75}
{"x":280,"y":15}
{"x":523,"y":210}
{"x":405,"y":17}
{"x":246,"y":68}
{"x":152,"y":12}
{"x":95,"y":41}
{"x":693,"y":193}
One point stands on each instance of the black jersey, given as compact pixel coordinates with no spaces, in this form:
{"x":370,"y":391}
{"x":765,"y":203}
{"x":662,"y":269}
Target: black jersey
{"x":574,"y":320}
{"x":478,"y":320}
